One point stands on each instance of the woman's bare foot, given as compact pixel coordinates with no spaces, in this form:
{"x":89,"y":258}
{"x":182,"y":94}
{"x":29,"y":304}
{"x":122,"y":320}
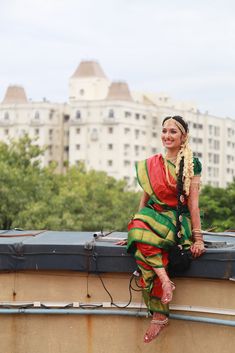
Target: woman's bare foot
{"x":157,"y":324}
{"x":168,"y":287}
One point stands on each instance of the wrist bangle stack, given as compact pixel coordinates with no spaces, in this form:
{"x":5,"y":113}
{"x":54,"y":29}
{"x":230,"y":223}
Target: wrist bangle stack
{"x":197,"y":235}
{"x":198,"y":238}
{"x":196,"y":230}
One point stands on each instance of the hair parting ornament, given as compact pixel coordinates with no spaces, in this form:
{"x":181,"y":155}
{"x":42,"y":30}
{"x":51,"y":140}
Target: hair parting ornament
{"x":177,"y":123}
{"x":184,"y":153}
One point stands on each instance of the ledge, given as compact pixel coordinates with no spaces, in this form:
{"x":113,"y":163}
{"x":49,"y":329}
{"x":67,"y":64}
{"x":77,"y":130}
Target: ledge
{"x":81,"y":251}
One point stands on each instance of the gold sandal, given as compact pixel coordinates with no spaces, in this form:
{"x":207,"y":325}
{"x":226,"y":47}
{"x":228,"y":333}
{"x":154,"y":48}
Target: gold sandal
{"x":151,"y":336}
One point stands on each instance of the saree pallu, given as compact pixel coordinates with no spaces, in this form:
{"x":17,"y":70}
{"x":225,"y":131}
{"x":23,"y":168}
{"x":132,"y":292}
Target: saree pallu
{"x":152,"y":230}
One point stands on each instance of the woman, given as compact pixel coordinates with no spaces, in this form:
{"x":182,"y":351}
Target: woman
{"x":168,"y":209}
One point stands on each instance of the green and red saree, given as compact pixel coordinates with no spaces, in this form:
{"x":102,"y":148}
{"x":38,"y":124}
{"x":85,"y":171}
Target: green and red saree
{"x":152,"y":230}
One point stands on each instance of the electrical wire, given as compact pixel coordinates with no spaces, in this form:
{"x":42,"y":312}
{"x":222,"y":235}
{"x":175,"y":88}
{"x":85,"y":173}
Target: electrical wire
{"x":130,"y":288}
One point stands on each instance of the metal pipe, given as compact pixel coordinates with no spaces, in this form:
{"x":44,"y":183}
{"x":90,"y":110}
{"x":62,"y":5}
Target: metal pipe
{"x":36,"y":311}
{"x":207,"y":320}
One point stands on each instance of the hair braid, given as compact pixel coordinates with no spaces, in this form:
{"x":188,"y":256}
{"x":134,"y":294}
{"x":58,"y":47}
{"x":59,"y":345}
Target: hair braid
{"x":180,"y":198}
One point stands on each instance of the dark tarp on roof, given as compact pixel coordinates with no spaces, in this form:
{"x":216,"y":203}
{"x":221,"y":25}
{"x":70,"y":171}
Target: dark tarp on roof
{"x":81,"y":251}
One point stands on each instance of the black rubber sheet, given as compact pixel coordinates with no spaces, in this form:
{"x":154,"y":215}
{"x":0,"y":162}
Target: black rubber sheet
{"x":82,"y":251}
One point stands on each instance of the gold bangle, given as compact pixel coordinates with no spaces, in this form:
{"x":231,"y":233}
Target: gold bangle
{"x":196,"y":230}
{"x":199,"y":241}
{"x":197,"y":236}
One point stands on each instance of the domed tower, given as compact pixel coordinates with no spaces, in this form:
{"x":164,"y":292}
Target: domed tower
{"x":119,"y":91}
{"x":88,"y":82}
{"x":15,"y":95}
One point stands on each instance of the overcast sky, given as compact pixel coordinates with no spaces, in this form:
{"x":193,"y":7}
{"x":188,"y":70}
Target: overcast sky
{"x":182,"y":47}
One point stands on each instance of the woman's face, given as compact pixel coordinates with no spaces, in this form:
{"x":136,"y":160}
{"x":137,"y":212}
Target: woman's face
{"x":172,"y":137}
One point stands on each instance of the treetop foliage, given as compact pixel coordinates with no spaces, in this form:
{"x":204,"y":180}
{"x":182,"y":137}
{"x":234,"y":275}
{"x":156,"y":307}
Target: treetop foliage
{"x":33,"y":197}
{"x":37,"y":198}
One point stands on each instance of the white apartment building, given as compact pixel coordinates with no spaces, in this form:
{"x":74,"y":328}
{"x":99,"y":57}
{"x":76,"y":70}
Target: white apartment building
{"x":108,"y":127}
{"x":42,"y":121}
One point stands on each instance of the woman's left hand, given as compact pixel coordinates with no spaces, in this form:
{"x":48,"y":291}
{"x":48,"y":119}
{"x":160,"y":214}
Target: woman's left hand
{"x":198,"y":248}
{"x":121,"y":242}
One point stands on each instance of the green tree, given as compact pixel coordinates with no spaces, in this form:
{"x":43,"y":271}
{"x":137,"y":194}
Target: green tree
{"x":20,"y":178}
{"x":218,"y":207}
{"x":37,"y":198}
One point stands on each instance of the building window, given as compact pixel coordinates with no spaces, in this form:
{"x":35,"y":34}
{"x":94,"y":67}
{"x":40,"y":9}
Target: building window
{"x":197,"y":140}
{"x":36,"y":115}
{"x":127,"y":114}
{"x":137,"y":116}
{"x":127,"y":163}
{"x":126,"y":130}
{"x":50,"y":133}
{"x":51,"y":113}
{"x":78,"y":147}
{"x":216,"y":158}
{"x":137,"y":148}
{"x":154,"y":150}
{"x":6,"y":116}
{"x":126,"y":149}
{"x":110,"y":130}
{"x":199,"y":126}
{"x":137,"y":133}
{"x":216,"y":172}
{"x":126,"y":146}
{"x":154,"y":120}
{"x":78,"y":130}
{"x":111,"y":113}
{"x":78,"y":114}
{"x":154,"y":134}
{"x":110,"y":163}
{"x":217,"y":131}
{"x":66,"y":118}
{"x":94,"y":134}
{"x":110,"y":146}
{"x":6,"y":131}
{"x":198,"y":154}
{"x":127,"y":179}
{"x":81,"y":92}
{"x":50,"y":150}
{"x":36,"y":132}
{"x":216,"y":145}
{"x":144,"y":117}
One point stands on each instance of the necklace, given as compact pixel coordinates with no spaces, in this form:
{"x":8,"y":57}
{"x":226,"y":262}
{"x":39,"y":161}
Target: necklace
{"x":171,"y":159}
{"x":167,"y":171}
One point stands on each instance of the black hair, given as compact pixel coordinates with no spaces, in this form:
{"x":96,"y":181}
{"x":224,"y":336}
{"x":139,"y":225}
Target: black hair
{"x":180,"y":183}
{"x":180,"y":198}
{"x":179,"y":119}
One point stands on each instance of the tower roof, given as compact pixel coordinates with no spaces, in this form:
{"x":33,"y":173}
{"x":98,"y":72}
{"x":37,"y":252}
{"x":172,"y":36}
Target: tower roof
{"x":89,"y":69}
{"x":15,"y":94}
{"x":119,"y":91}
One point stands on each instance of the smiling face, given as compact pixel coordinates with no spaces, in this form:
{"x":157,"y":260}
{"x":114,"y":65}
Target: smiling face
{"x":172,"y":137}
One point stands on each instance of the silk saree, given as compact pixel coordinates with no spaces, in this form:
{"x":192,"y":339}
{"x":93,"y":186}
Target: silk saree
{"x":152,"y":230}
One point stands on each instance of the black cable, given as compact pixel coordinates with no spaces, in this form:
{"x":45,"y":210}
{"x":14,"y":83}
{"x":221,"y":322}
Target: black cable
{"x":137,"y":285}
{"x":95,"y":257}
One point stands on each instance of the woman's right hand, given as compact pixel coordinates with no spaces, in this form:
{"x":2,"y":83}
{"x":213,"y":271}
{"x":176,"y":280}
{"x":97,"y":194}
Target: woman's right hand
{"x":198,"y":248}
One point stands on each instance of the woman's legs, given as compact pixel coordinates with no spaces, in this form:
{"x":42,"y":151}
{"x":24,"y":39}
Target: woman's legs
{"x":157,"y":286}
